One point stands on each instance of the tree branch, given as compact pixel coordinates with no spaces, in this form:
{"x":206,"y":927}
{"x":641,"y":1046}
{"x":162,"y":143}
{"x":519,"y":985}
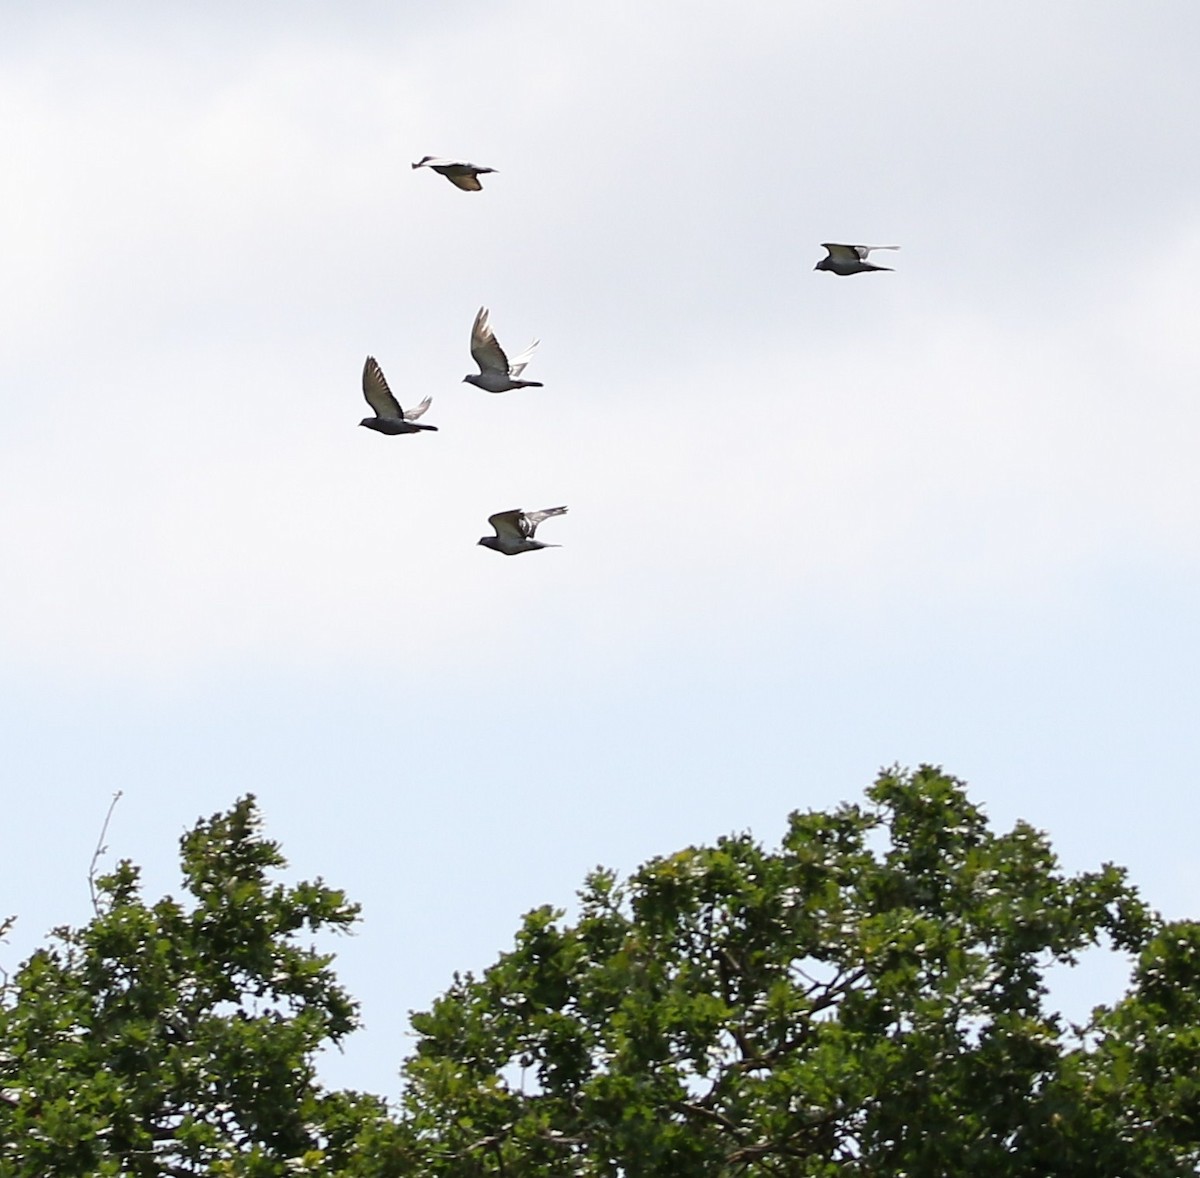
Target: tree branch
{"x":711,"y":1114}
{"x":100,"y":849}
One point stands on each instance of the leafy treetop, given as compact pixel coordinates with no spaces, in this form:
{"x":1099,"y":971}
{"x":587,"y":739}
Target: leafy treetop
{"x":868,"y":998}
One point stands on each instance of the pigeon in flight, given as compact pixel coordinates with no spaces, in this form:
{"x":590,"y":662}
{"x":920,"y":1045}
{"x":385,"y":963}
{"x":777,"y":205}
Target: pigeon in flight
{"x":389,"y":417}
{"x":850,"y":259}
{"x":515,"y":529}
{"x":460,"y":173}
{"x":497,"y":374}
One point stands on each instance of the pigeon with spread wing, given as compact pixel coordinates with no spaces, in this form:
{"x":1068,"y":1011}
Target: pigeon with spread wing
{"x":497,"y":373}
{"x":460,"y":173}
{"x":389,"y":417}
{"x":515,"y":529}
{"x":850,"y":259}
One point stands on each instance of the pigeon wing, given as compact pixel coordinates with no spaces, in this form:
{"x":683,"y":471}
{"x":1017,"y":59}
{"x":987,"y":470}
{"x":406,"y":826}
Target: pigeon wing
{"x":377,"y":393}
{"x":842,"y":253}
{"x":863,"y":250}
{"x":417,"y":410}
{"x":533,"y":518}
{"x":458,"y":172}
{"x":485,"y":351}
{"x":435,"y":162}
{"x":510,"y":524}
{"x":517,"y":364}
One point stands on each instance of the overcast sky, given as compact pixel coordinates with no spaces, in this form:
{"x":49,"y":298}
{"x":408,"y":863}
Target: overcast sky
{"x":817,"y":525}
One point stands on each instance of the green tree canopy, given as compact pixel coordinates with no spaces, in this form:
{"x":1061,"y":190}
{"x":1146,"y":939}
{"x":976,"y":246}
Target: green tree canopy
{"x":173,"y":1039}
{"x":868,"y":998}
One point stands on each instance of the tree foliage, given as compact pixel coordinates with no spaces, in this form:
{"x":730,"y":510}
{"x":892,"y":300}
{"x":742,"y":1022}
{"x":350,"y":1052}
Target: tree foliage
{"x":173,"y":1039}
{"x":866,"y":998}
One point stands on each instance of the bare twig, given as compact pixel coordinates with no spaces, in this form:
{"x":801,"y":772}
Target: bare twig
{"x":561,"y":1139}
{"x":761,"y":1152}
{"x":709,"y":1114}
{"x":100,"y":849}
{"x":808,"y":977}
{"x":5,"y":929}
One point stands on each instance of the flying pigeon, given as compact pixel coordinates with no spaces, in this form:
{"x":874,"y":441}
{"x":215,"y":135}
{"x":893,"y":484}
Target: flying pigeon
{"x":497,"y":374}
{"x":389,"y":417}
{"x":515,"y":529}
{"x":850,"y":259}
{"x":460,"y":173}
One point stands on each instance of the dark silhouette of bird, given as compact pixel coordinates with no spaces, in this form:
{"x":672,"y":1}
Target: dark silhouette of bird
{"x":514,"y":530}
{"x":850,"y":259}
{"x":460,"y":173}
{"x":497,"y":374}
{"x":389,"y":417}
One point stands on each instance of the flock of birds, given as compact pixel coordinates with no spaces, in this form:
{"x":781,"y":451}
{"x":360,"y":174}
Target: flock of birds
{"x":515,"y":529}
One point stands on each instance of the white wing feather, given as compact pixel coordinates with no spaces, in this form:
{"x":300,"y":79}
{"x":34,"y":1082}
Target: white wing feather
{"x":417,"y":410}
{"x":533,"y":518}
{"x":517,"y":364}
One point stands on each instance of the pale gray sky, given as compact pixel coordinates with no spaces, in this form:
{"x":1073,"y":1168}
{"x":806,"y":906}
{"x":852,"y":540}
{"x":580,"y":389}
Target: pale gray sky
{"x":817,"y":525}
